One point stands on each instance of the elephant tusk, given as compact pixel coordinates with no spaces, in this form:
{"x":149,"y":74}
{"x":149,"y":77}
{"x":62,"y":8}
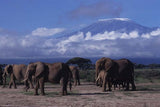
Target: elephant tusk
{"x":24,"y":80}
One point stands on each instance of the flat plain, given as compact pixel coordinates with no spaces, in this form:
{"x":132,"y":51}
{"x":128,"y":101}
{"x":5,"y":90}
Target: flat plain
{"x":85,"y":95}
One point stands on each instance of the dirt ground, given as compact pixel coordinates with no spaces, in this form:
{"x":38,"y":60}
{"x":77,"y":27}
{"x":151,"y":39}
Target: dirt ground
{"x":85,"y":95}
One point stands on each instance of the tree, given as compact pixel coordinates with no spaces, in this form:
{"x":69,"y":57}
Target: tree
{"x":82,"y":63}
{"x":139,"y":66}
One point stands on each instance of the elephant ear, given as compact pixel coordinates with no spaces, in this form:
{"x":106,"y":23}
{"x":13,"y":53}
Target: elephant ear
{"x":108,"y":64}
{"x":10,"y":69}
{"x":100,"y":64}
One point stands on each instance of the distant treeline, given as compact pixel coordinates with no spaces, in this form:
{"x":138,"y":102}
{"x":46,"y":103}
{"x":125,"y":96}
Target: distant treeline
{"x":2,"y":65}
{"x":149,"y":66}
{"x":86,"y":64}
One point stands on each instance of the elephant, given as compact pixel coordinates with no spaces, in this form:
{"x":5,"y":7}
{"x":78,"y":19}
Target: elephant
{"x":1,"y":76}
{"x":110,"y":71}
{"x":116,"y":71}
{"x":16,"y":72}
{"x":126,"y":73}
{"x":99,"y":67}
{"x":75,"y":74}
{"x":49,"y":72}
{"x":100,"y":78}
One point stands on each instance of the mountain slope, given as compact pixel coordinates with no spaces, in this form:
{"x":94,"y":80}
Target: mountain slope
{"x":122,"y":25}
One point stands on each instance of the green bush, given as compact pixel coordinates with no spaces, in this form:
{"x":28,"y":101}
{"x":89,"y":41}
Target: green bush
{"x":141,"y":75}
{"x":87,"y":75}
{"x":147,"y":75}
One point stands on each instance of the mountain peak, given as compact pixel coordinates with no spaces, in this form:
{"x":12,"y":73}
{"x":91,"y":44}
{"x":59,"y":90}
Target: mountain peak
{"x":120,"y":25}
{"x":120,"y":19}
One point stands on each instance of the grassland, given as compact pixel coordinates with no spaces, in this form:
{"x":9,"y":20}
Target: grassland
{"x":89,"y":95}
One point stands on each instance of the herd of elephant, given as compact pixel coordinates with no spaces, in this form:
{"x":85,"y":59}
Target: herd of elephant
{"x":34,"y":75}
{"x":116,"y":72}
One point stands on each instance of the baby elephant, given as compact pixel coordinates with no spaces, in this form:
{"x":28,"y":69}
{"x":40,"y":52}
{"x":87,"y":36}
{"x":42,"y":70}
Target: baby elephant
{"x":100,"y":78}
{"x":75,"y":75}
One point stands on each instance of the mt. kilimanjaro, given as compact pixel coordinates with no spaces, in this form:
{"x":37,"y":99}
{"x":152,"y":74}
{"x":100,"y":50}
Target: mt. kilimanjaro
{"x":121,"y":25}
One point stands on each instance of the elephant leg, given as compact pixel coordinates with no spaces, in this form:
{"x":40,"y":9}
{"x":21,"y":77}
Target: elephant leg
{"x":26,"y":86}
{"x":36,"y":88}
{"x":100,"y":82}
{"x":31,"y":84}
{"x":41,"y":83}
{"x":124,"y":84}
{"x":78,"y":81}
{"x":127,"y":86}
{"x":75,"y":82}
{"x":4,"y":82}
{"x":10,"y":84}
{"x":104,"y":83}
{"x":119,"y":85}
{"x":133,"y":86}
{"x":64,"y":86}
{"x":11,"y":81}
{"x":14,"y":83}
{"x":1,"y":80}
{"x":115,"y":85}
{"x":109,"y":85}
{"x":61,"y":83}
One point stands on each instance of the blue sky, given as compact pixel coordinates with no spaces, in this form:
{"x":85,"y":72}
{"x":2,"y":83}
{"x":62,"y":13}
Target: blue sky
{"x":28,"y":28}
{"x":27,"y":15}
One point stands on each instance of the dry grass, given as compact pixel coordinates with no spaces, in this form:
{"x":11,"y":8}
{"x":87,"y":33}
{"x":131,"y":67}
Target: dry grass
{"x":89,"y":95}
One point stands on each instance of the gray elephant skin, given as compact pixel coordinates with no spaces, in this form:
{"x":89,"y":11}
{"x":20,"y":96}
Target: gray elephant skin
{"x":46,"y":72}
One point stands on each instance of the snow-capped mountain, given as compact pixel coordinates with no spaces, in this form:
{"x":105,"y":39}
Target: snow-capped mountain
{"x":118,"y":38}
{"x":121,"y":25}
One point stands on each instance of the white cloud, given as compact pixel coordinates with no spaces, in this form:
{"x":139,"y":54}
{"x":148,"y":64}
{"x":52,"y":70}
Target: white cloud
{"x":131,"y":35}
{"x":88,"y":36}
{"x":8,"y":41}
{"x":147,"y":36}
{"x":110,"y":44}
{"x":111,"y":35}
{"x":64,"y":44}
{"x":47,"y":32}
{"x":106,"y":35}
{"x":156,"y":32}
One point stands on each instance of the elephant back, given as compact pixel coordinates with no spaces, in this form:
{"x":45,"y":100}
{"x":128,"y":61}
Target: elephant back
{"x":40,"y":69}
{"x":126,"y":69}
{"x":19,"y":71}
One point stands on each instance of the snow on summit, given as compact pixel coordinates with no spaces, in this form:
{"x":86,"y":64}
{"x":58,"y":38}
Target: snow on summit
{"x":120,"y":19}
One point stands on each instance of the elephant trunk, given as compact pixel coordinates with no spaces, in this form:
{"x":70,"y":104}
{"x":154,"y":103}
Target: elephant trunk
{"x":26,"y":77}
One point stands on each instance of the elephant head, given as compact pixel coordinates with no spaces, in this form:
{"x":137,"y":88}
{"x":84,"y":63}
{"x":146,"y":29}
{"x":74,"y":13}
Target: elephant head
{"x":8,"y":70}
{"x":103,"y":64}
{"x":35,"y":69}
{"x":106,"y":65}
